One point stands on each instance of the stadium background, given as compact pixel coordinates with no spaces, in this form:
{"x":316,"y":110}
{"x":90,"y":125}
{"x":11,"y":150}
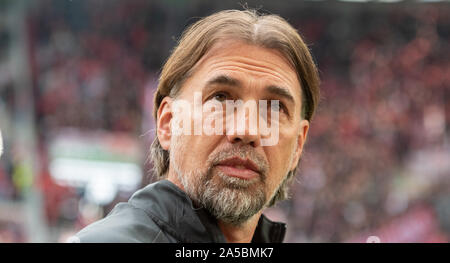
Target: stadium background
{"x":76,"y":85}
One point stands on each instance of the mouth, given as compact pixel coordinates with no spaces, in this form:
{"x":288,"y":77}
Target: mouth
{"x":240,"y":168}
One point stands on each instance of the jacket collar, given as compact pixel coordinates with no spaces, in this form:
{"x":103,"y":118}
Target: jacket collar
{"x":173,"y":211}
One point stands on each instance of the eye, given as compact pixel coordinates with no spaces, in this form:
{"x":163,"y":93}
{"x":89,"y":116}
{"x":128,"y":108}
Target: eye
{"x":220,"y":96}
{"x":277,"y":105}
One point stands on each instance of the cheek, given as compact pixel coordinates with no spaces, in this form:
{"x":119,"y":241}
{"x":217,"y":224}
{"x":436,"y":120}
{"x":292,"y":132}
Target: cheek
{"x":192,"y":152}
{"x":280,"y":158}
{"x":276,"y":168}
{"x":177,"y":147}
{"x":213,"y":119}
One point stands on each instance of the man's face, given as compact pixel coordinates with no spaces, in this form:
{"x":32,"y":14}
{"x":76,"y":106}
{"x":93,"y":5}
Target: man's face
{"x":232,"y":174}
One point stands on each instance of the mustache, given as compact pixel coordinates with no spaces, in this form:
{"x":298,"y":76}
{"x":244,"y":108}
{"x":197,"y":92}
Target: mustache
{"x":244,"y":152}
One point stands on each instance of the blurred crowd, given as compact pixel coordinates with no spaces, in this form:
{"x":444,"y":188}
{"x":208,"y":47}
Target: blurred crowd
{"x":386,"y":79}
{"x":377,"y":153}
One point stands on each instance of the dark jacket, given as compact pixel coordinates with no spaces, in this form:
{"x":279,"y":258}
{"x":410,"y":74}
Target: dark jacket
{"x":163,"y":213}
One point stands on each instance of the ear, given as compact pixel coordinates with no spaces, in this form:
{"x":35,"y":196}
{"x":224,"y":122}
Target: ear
{"x":303,"y":133}
{"x":164,"y":119}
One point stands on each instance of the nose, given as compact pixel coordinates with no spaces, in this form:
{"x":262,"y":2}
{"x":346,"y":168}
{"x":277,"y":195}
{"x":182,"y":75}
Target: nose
{"x":252,"y":140}
{"x":243,"y":131}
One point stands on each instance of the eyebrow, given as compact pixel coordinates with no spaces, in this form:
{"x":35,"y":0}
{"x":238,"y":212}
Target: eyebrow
{"x":272,"y":89}
{"x":224,"y":80}
{"x":282,"y":92}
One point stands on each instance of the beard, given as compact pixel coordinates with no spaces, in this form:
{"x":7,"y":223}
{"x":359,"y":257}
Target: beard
{"x":229,"y":199}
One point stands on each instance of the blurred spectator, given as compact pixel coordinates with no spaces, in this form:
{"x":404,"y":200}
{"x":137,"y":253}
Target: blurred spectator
{"x":385,"y":109}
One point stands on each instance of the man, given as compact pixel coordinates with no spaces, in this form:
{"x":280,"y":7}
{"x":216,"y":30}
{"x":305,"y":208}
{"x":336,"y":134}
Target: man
{"x":215,"y":185}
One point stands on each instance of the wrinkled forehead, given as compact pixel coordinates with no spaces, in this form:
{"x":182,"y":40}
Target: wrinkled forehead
{"x":240,"y":55}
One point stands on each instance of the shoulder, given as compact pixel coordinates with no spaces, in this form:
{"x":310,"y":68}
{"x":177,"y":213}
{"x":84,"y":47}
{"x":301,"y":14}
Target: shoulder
{"x":124,"y":224}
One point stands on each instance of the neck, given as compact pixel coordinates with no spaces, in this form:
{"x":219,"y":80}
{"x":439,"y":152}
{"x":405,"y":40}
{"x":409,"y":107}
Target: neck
{"x":242,"y":233}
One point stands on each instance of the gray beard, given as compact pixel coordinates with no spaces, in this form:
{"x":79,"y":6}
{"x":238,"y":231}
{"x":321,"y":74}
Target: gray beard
{"x":229,"y":199}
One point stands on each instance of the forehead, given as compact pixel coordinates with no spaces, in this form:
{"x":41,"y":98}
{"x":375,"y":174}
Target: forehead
{"x":251,"y":62}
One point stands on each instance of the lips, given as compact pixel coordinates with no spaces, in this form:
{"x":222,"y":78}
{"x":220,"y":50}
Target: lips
{"x":241,"y":168}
